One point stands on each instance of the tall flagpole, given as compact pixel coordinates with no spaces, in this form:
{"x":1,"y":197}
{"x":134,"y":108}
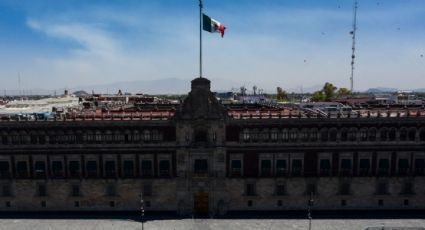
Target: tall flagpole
{"x":200,"y":38}
{"x":353,"y":48}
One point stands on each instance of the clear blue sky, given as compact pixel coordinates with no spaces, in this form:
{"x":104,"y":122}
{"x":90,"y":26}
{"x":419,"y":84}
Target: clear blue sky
{"x":288,"y":43}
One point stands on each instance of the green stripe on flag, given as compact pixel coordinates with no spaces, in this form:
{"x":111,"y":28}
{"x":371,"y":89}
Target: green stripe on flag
{"x":207,"y":23}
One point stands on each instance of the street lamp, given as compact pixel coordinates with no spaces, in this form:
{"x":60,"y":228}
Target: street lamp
{"x":142,"y":208}
{"x":310,"y":204}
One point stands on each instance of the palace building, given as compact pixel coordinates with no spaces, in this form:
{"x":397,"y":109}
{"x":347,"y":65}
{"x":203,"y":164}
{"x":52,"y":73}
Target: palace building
{"x":205,"y":157}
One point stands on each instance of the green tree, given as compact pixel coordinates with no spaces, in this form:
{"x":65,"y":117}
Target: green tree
{"x":329,"y":91}
{"x":318,"y":96}
{"x":343,"y":92}
{"x":281,"y":94}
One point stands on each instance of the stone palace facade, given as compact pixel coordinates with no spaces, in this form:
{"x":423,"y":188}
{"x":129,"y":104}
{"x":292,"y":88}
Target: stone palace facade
{"x":203,"y":160}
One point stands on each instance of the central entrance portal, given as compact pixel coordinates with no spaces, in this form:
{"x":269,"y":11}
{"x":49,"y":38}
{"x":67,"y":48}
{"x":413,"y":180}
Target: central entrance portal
{"x":200,"y":204}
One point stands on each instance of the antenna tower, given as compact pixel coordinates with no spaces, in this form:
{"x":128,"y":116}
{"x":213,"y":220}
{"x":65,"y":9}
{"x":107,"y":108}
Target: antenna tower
{"x":353,"y":48}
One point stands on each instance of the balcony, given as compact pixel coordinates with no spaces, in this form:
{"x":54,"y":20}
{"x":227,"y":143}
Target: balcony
{"x":22,"y":174}
{"x":110,"y":173}
{"x":364,"y":172}
{"x":200,"y":174}
{"x":40,"y":174}
{"x":345,"y":172}
{"x":325,"y":172}
{"x":58,"y":174}
{"x":420,"y":171}
{"x":281,"y":172}
{"x":92,"y":174}
{"x":164,"y":173}
{"x":383,"y":172}
{"x":236,"y":172}
{"x":403,"y":171}
{"x":266,"y":172}
{"x":5,"y":174}
{"x":296,"y":172}
{"x":147,"y":173}
{"x":74,"y":174}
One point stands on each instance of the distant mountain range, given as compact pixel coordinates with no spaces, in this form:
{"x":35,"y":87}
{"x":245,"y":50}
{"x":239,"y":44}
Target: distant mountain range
{"x":392,"y":90}
{"x":176,"y":86}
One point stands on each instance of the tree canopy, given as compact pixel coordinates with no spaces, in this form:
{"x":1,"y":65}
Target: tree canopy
{"x":328,"y":92}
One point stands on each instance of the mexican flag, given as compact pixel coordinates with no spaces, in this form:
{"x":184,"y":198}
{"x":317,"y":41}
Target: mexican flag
{"x":212,"y":25}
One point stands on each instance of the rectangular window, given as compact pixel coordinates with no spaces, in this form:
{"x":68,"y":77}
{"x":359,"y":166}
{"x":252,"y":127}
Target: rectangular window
{"x":91,"y":167}
{"x":250,"y":189}
{"x":297,"y":166}
{"x":41,"y":190}
{"x":164,"y":168}
{"x":111,"y":204}
{"x":273,"y":136}
{"x":21,"y":169}
{"x":383,"y":167}
{"x":343,"y":202}
{"x":236,"y":167}
{"x":346,"y":167}
{"x":57,"y":169}
{"x":4,"y":169}
{"x":403,"y":166}
{"x":201,"y":166}
{"x":147,"y":168}
{"x":325,"y":167}
{"x":380,"y":202}
{"x":280,"y":167}
{"x":128,"y":168}
{"x":43,"y":204}
{"x":280,"y":190}
{"x":110,"y":169}
{"x":74,"y":169}
{"x":364,"y":167}
{"x":8,"y":204}
{"x":419,"y":166}
{"x":285,"y":136}
{"x":76,"y":204}
{"x":266,"y":167}
{"x":40,"y":169}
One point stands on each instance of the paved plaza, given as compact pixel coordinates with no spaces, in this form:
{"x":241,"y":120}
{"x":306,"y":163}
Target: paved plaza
{"x":204,"y":224}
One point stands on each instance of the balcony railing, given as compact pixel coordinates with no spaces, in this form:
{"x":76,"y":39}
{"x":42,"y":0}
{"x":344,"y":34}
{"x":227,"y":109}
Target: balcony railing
{"x":164,"y":173}
{"x":5,"y":174}
{"x":325,"y":172}
{"x":345,"y":172}
{"x":364,"y":172}
{"x":236,"y":172}
{"x":281,"y":172}
{"x":74,"y":174}
{"x":266,"y":172}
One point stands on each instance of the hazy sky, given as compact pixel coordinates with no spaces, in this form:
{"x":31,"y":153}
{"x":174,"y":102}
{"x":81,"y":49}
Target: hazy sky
{"x":288,"y":43}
